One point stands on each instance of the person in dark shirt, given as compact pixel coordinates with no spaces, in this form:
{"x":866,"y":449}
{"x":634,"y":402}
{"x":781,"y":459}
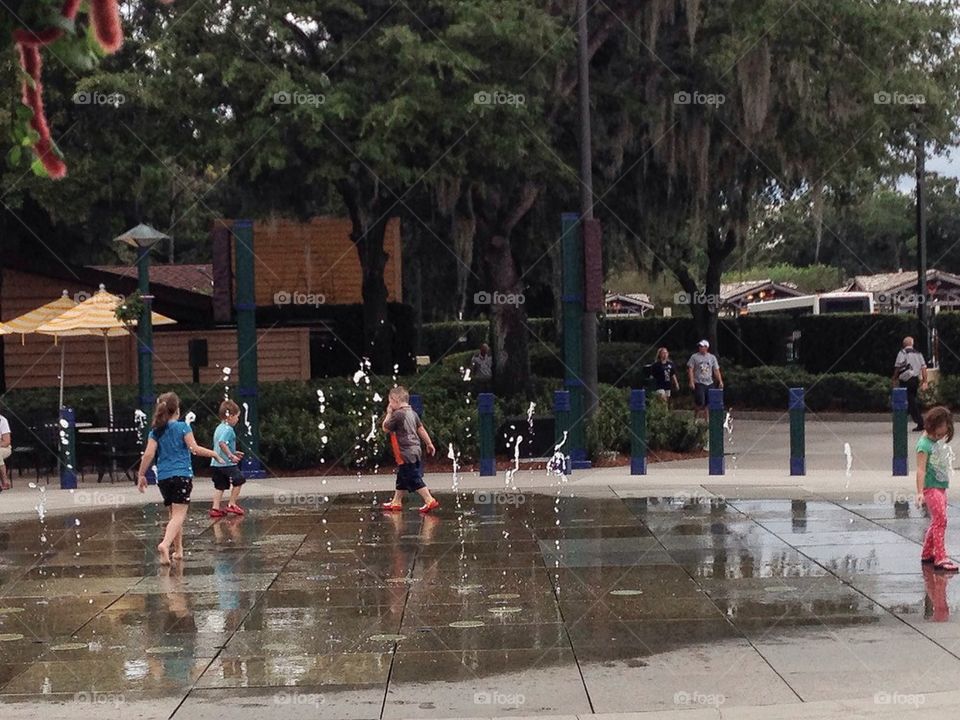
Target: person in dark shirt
{"x":664,"y":374}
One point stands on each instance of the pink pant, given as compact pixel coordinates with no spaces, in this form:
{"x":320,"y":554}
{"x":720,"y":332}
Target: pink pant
{"x":936,"y":501}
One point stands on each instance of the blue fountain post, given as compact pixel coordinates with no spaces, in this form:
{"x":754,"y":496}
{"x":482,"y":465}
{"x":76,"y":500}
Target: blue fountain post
{"x":798,"y":439}
{"x":488,"y":460}
{"x":715,"y":405}
{"x":899,"y":402}
{"x":67,"y":448}
{"x":638,"y":432}
{"x":416,"y":402}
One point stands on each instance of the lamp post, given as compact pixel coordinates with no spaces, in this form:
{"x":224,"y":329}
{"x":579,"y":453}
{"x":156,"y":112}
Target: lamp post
{"x":923,"y":297}
{"x":143,"y":237}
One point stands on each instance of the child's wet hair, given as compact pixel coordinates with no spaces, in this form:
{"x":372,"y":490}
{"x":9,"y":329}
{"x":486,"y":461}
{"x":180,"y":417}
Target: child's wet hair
{"x":937,"y":417}
{"x":168,"y":404}
{"x":400,"y":394}
{"x":228,"y":408}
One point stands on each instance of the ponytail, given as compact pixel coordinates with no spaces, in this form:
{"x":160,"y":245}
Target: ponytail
{"x":167,"y":406}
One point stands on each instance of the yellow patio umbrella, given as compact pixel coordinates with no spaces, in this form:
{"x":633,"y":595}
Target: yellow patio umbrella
{"x":28,"y":323}
{"x":97,"y":315}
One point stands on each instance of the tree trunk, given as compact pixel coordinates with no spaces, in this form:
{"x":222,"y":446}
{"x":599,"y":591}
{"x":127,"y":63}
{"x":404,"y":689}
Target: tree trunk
{"x":510,"y":334}
{"x":509,"y":320}
{"x":369,"y":228}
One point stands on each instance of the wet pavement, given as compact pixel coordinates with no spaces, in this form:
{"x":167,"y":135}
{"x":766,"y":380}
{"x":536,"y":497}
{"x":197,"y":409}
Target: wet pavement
{"x":534,"y":604}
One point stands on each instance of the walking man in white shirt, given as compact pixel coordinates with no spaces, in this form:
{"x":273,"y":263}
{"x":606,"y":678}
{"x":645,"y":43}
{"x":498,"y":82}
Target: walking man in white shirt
{"x":910,"y":371}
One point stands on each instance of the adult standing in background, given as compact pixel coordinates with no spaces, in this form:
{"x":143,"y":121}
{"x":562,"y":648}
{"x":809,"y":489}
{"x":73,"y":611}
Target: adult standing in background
{"x":6,"y":450}
{"x":664,"y":374}
{"x":481,"y":368}
{"x":703,"y":369}
{"x":910,"y":371}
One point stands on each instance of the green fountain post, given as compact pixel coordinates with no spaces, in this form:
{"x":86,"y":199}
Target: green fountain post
{"x":899,"y":431}
{"x":573,"y":282}
{"x":247,"y":348}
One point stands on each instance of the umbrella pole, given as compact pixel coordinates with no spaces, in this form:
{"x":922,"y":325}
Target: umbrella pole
{"x":106,"y":352}
{"x":112,"y":451}
{"x":63,"y":351}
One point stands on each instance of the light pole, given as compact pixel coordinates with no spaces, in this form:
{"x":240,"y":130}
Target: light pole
{"x":589,"y":320}
{"x":143,"y":237}
{"x":922,"y":295}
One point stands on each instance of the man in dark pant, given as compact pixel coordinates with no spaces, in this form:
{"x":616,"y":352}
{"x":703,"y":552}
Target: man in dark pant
{"x":910,"y":371}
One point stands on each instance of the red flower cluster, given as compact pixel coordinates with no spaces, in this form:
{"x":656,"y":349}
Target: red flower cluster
{"x":105,"y":20}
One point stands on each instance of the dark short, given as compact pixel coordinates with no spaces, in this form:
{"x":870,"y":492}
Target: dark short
{"x":225,"y":477}
{"x":176,"y":490}
{"x":410,"y":477}
{"x":700,"y":394}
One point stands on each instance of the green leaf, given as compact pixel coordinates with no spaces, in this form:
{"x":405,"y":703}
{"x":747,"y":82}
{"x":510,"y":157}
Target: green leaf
{"x":24,"y":114}
{"x":13,"y":157}
{"x":38,"y":169}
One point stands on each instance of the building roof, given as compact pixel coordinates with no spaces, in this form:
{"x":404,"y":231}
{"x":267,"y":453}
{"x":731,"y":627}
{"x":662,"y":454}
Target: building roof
{"x":889,"y":282}
{"x":631,"y":298}
{"x":187,"y":307}
{"x":194,"y":278}
{"x":729,"y":292}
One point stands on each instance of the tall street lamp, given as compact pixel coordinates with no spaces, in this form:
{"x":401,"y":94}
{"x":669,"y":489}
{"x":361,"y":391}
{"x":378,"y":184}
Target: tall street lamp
{"x":923,"y":297}
{"x":143,"y":237}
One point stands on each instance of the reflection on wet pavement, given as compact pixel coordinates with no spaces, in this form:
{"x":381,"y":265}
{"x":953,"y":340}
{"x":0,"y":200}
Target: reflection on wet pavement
{"x":550,"y":606}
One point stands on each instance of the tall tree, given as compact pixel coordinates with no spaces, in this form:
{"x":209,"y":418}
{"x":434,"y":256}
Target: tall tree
{"x":350,"y":106}
{"x":739,"y":101}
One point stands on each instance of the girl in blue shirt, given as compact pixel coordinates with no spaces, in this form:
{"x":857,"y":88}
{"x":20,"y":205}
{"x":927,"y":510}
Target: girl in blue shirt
{"x":170,"y":443}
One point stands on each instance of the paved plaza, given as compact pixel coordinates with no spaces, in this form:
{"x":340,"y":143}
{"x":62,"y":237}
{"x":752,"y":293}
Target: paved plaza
{"x":754,"y":595}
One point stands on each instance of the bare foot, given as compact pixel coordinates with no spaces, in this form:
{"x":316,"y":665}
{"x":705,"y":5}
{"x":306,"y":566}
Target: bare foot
{"x":164,"y":554}
{"x":178,"y":555}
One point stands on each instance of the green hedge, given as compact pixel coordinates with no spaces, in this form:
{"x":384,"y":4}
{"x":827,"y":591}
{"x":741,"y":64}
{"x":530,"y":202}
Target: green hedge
{"x":768,"y":388}
{"x":853,"y":343}
{"x":948,"y":333}
{"x":444,"y":338}
{"x":748,"y":341}
{"x":622,"y":365}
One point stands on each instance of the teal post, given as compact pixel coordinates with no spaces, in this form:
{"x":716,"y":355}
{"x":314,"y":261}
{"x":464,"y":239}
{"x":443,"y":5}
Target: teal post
{"x":638,"y":432}
{"x":488,"y":462}
{"x":562,"y":407}
{"x":899,"y":402}
{"x":67,"y":440}
{"x":798,"y":452}
{"x":715,"y":405}
{"x":249,"y":434}
{"x":573,"y":288}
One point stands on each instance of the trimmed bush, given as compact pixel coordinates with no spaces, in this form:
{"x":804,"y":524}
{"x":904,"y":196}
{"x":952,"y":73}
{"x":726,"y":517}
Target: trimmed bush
{"x":441,"y":339}
{"x":609,"y":428}
{"x":754,"y":340}
{"x":853,"y":342}
{"x":768,"y":388}
{"x":948,"y":341}
{"x":749,"y":340}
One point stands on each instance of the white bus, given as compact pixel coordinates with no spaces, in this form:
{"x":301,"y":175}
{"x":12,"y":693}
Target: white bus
{"x":822,"y":304}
